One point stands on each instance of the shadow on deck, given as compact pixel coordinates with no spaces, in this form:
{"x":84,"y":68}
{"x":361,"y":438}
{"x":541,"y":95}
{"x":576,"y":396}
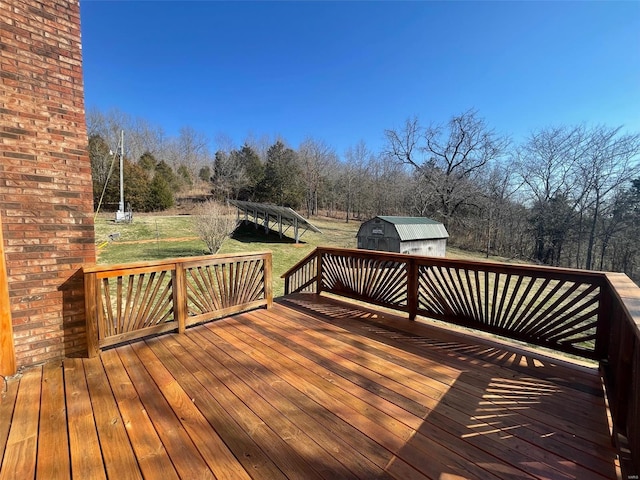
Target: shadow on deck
{"x":312,"y":388}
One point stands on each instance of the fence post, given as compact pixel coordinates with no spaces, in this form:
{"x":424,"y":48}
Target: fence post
{"x":179,"y":296}
{"x":91,"y":305}
{"x":412,"y":288}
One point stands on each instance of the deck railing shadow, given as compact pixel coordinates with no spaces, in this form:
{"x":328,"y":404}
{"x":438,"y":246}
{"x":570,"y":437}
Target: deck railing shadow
{"x":595,"y":315}
{"x":513,"y":415}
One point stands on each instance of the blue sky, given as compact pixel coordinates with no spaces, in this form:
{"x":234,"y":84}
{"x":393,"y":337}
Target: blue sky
{"x":346,"y":71}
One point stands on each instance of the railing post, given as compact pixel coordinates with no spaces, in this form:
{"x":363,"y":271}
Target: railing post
{"x":412,"y":288}
{"x":91,"y":304}
{"x":268,"y":281}
{"x":179,"y":296}
{"x":603,"y":324}
{"x":318,"y":271}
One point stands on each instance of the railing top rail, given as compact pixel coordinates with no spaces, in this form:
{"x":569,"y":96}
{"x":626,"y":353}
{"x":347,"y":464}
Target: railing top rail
{"x":172,"y":261}
{"x":513,"y":268}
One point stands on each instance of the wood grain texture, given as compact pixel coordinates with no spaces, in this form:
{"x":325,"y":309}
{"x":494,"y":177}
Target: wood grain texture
{"x":7,"y":404}
{"x":52,"y":435}
{"x":19,"y":460}
{"x":84,"y":446}
{"x":312,"y":388}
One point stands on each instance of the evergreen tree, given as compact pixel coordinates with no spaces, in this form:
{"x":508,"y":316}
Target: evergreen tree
{"x":160,"y":194}
{"x":148,"y":163}
{"x":282,"y":182}
{"x":249,"y":161}
{"x":205,"y":173}
{"x":136,"y":187}
{"x":166,"y":172}
{"x":184,"y":176}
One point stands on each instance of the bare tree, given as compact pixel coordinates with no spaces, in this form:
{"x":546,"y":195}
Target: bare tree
{"x":447,"y":157}
{"x":499,"y":189}
{"x":140,"y":135}
{"x":385,"y":187}
{"x":573,"y":176}
{"x":354,"y":175}
{"x":611,"y":162}
{"x":314,"y":156}
{"x":193,"y":150}
{"x":547,"y":165}
{"x":214,"y":223}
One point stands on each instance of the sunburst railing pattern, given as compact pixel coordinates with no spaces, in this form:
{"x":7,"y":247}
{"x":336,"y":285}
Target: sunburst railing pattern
{"x":380,"y":281}
{"x":555,"y":308}
{"x":549,"y":308}
{"x":138,"y":300}
{"x":217,"y":289}
{"x":125,"y":302}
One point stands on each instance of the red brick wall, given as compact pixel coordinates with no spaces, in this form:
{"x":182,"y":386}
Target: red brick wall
{"x":45,"y":176}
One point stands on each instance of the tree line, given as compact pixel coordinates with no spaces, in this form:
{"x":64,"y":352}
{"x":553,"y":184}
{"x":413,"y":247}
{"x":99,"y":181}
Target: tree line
{"x":564,"y":196}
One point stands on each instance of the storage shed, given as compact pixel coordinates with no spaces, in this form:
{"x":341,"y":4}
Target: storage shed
{"x":411,"y":235}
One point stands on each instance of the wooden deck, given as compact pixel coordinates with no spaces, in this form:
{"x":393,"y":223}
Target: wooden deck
{"x":312,"y":388}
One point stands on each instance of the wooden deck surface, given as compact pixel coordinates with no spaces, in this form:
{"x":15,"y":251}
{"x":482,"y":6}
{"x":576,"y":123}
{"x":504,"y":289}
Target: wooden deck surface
{"x":310,"y":389}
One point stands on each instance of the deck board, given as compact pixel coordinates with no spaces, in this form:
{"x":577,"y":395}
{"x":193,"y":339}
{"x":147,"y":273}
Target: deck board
{"x":19,"y":459}
{"x":52,"y":434}
{"x":287,"y":412}
{"x":293,"y":407}
{"x":180,"y":446}
{"x":119,"y":458}
{"x":7,"y":404}
{"x":84,"y":445}
{"x":152,"y":456}
{"x":311,"y":389}
{"x":408,"y":383}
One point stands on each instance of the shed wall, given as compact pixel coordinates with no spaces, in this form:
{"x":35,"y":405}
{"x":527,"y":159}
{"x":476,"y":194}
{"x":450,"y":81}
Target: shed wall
{"x":376,"y":234}
{"x":45,"y":176}
{"x":427,"y":248}
{"x":380,"y":235}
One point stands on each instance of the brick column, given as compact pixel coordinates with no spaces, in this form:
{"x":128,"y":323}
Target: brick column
{"x":45,"y":176}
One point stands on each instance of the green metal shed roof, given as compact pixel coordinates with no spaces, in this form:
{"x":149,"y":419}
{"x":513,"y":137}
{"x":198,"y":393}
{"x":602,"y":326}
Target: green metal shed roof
{"x":416,"y":228}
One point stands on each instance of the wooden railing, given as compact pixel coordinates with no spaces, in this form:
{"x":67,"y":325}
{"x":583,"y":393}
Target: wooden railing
{"x":551,"y":307}
{"x":125,"y":302}
{"x":621,"y":367}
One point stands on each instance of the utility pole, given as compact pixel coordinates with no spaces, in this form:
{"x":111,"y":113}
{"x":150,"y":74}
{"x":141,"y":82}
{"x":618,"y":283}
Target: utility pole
{"x":121,"y":204}
{"x":121,"y":214}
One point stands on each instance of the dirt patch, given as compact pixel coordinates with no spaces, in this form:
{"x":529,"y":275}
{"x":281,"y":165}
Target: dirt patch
{"x":152,"y":240}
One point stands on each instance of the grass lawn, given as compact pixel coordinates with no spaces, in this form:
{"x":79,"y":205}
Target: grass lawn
{"x":152,"y":237}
